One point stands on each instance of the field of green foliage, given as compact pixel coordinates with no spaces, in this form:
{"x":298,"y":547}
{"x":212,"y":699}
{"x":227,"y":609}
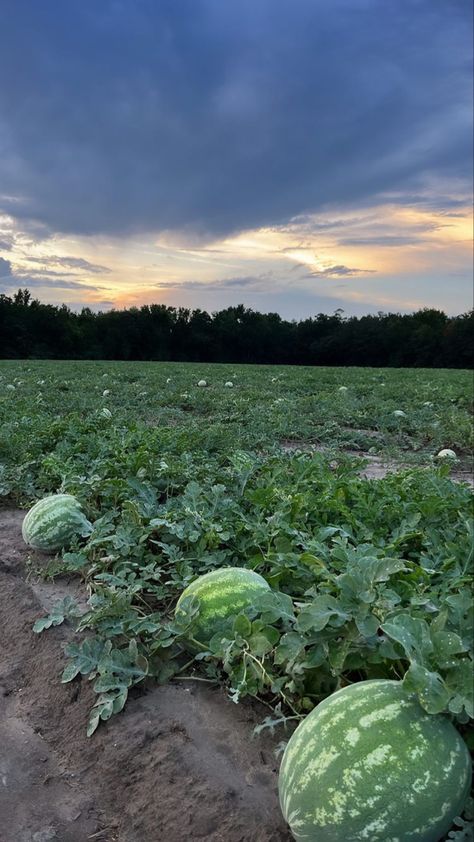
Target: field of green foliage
{"x":370,"y":577}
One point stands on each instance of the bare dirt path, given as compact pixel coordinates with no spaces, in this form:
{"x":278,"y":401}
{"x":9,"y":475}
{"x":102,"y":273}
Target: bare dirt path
{"x":179,"y":763}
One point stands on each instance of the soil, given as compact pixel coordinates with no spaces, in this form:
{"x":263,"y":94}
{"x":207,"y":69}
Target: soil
{"x":376,"y":467}
{"x":178,"y":764}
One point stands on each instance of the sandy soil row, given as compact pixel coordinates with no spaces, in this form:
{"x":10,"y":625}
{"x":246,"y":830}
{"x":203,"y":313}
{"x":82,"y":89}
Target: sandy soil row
{"x":179,"y":763}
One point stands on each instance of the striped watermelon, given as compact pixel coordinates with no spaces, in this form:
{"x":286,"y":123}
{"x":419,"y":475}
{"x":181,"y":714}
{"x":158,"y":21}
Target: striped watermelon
{"x":221,"y":593}
{"x":369,"y":764}
{"x":53,"y":522}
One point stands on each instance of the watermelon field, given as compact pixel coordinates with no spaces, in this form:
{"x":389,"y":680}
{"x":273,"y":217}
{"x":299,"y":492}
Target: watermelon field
{"x":329,"y":511}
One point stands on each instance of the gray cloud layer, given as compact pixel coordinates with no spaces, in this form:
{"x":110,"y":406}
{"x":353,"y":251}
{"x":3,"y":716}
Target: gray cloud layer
{"x":5,"y":268}
{"x":10,"y":279}
{"x":78,"y":263}
{"x":214,"y":116}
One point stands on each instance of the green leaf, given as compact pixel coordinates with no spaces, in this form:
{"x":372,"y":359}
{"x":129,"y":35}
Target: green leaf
{"x":64,"y":610}
{"x":432,"y":692}
{"x":108,"y":681}
{"x":316,"y":615}
{"x":48,"y":621}
{"x":274,"y":606}
{"x":382,"y":568}
{"x":84,"y":657}
{"x":312,"y":561}
{"x":446,"y":645}
{"x":75,"y":561}
{"x":412,"y":634}
{"x":315,"y":655}
{"x":261,"y":643}
{"x":367,"y":625}
{"x":290,"y":647}
{"x":242,"y":625}
{"x":124,"y":663}
{"x":106,"y":705}
{"x":461,"y":687}
{"x":463,"y":833}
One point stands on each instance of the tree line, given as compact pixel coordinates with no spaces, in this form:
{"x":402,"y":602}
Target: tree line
{"x":428,"y":337}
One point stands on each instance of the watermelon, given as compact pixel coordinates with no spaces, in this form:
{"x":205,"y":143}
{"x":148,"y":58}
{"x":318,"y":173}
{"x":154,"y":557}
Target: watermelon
{"x":221,"y":593}
{"x":369,"y":763}
{"x":53,"y":522}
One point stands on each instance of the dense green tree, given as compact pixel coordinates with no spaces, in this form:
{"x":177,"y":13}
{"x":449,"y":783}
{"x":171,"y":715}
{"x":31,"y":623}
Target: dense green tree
{"x":427,"y":338}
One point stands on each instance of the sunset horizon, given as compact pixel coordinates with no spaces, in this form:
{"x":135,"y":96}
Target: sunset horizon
{"x":199,"y":155}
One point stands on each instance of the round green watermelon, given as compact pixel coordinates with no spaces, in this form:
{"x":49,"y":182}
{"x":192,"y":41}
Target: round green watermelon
{"x":53,"y":522}
{"x":221,"y":593}
{"x":369,"y":765}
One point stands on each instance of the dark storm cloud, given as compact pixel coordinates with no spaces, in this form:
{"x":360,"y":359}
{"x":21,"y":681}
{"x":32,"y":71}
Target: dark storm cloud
{"x":209,"y":116}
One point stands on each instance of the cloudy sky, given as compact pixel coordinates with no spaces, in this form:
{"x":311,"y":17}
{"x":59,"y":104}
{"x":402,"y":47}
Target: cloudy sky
{"x":294,"y":155}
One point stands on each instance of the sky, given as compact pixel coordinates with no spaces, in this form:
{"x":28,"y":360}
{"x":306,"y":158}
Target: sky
{"x":296,"y":156}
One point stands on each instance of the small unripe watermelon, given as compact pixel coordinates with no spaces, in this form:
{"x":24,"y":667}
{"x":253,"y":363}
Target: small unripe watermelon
{"x":221,"y":593}
{"x":369,"y":763}
{"x":53,"y":522}
{"x":447,"y":453}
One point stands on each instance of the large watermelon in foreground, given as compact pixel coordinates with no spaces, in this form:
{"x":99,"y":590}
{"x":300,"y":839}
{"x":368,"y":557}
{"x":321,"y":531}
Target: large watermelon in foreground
{"x":369,"y":764}
{"x":221,"y":593}
{"x":53,"y":522}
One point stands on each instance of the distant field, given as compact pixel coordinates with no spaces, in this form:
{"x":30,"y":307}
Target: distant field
{"x":267,"y":472}
{"x":369,"y":578}
{"x":53,"y":418}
